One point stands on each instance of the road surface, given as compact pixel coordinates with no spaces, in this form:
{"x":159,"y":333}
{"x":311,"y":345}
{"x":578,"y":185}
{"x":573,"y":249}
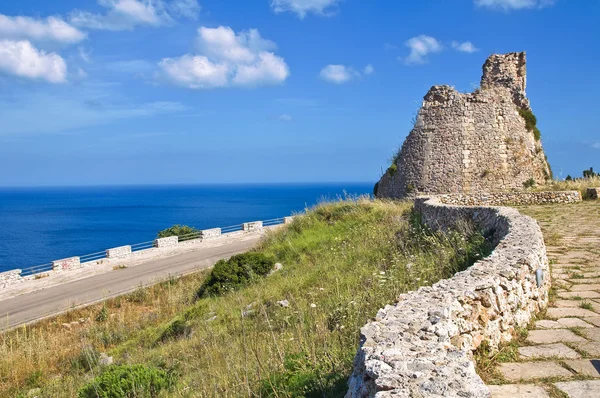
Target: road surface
{"x":53,"y":300}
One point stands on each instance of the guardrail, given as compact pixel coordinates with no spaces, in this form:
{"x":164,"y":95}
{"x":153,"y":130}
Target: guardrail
{"x":125,"y":251}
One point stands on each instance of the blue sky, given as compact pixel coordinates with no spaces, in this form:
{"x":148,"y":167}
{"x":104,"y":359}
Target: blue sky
{"x":185,"y":91}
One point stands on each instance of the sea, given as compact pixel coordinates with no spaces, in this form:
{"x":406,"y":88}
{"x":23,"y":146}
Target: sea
{"x":38,"y":225}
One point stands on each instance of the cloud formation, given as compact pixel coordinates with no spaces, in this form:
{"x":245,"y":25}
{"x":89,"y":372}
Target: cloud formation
{"x":224,"y":58}
{"x":340,"y":74}
{"x":302,"y":7}
{"x":514,"y":4}
{"x":420,"y":47}
{"x":285,"y":117}
{"x":465,"y":47}
{"x":21,"y":58}
{"x":127,"y":14}
{"x":50,"y":29}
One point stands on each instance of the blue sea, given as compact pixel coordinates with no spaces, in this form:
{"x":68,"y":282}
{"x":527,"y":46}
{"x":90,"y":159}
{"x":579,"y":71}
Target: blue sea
{"x":38,"y":225}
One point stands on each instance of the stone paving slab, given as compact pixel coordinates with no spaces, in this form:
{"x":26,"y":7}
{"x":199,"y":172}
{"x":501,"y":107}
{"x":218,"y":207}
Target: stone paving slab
{"x":553,"y":336}
{"x":518,"y":390}
{"x":582,"y":294}
{"x":595,"y":320}
{"x":570,"y":312}
{"x":562,"y":323}
{"x":557,"y":350}
{"x":580,"y":389}
{"x":585,"y":367}
{"x":584,"y":281}
{"x":582,"y":287}
{"x":591,"y":348}
{"x":566,"y":303}
{"x":592,"y":334}
{"x":532,"y":370}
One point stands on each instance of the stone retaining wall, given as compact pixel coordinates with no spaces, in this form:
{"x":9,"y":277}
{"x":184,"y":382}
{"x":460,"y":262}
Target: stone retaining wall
{"x":511,"y":198}
{"x":118,"y":252}
{"x":252,"y":226}
{"x":422,"y":346}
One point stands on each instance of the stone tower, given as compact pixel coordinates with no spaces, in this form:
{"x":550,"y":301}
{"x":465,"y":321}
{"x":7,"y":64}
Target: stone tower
{"x":468,"y":143}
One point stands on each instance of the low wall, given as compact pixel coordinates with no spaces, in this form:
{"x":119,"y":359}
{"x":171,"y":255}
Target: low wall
{"x":423,"y":345}
{"x":212,"y":233}
{"x":288,"y":220}
{"x":118,"y":252}
{"x":593,"y":193}
{"x":252,"y":226}
{"x":166,"y":242}
{"x":10,"y":277}
{"x":66,"y":264}
{"x":511,"y":198}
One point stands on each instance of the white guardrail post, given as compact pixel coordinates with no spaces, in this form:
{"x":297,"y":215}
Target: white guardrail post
{"x":66,"y":264}
{"x":252,"y":226}
{"x":118,"y":252}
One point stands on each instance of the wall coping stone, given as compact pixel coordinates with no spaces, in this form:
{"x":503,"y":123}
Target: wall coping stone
{"x":422,"y":346}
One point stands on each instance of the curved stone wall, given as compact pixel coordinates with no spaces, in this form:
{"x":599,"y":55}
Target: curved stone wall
{"x":422,"y":346}
{"x":511,"y":198}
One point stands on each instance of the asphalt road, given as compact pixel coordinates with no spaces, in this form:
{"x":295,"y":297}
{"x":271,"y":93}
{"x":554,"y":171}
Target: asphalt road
{"x":53,"y":300}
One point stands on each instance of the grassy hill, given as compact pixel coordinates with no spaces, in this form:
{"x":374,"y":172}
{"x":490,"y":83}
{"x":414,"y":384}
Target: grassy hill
{"x":292,"y":333}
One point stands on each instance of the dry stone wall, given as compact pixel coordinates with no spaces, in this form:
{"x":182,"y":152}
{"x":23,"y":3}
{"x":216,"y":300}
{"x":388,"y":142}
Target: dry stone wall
{"x":422,"y":346}
{"x":475,"y":142}
{"x":511,"y":198}
{"x":593,"y":193}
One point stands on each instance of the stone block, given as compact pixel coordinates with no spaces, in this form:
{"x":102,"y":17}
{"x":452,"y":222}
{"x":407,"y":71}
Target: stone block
{"x":118,"y":252}
{"x":580,"y":389}
{"x":593,"y":193}
{"x":170,"y":241}
{"x":207,"y":234}
{"x":548,"y":351}
{"x":532,"y":370}
{"x":66,"y":264}
{"x":592,"y":333}
{"x":518,"y":391}
{"x":585,"y":367}
{"x":553,"y":336}
{"x":252,"y":226}
{"x":569,"y":312}
{"x":10,"y":277}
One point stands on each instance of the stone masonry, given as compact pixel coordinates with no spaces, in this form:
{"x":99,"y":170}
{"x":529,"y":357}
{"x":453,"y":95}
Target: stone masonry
{"x":469,"y":143}
{"x":511,"y":198}
{"x":422,"y":346}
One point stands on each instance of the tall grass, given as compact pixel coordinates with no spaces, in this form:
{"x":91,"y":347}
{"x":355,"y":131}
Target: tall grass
{"x":579,"y":184}
{"x":341,"y":261}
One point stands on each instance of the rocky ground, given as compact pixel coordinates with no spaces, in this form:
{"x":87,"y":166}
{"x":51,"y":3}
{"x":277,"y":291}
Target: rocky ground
{"x":559,"y":356}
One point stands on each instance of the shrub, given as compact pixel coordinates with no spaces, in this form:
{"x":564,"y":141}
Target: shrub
{"x":178,"y":230}
{"x":392,"y":169}
{"x":530,"y":122}
{"x":176,"y":329}
{"x":102,"y":315}
{"x":410,"y":188}
{"x":238,"y":271}
{"x":127,"y":381}
{"x":529,"y":183}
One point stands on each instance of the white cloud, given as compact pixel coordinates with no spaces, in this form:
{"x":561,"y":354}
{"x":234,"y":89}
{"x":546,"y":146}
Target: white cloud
{"x":285,"y":118}
{"x":514,"y":4}
{"x":127,"y":14}
{"x":596,"y":145}
{"x":465,"y":47}
{"x":420,"y":47}
{"x":225,"y":58}
{"x":20,"y":58}
{"x":303,"y":7}
{"x":49,"y":29}
{"x":338,"y":74}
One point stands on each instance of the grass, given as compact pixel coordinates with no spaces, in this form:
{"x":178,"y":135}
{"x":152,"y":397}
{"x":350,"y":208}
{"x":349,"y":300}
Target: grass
{"x":586,"y":306}
{"x":341,"y":262}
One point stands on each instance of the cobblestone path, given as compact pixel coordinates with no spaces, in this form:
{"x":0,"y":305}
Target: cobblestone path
{"x":559,"y":356}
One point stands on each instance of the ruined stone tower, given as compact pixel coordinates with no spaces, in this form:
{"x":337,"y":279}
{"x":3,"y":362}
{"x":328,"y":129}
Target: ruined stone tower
{"x":485,"y":141}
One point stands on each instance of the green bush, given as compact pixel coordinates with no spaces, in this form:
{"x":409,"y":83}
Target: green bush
{"x":178,"y":230}
{"x":102,"y":315}
{"x":529,"y":183}
{"x":410,"y":188}
{"x":127,"y":381}
{"x":238,"y":271}
{"x":392,"y":169}
{"x":530,"y":122}
{"x":176,"y":329}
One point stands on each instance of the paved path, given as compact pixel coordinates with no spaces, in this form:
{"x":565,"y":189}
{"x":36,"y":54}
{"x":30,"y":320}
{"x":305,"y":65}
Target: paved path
{"x":56,"y":299}
{"x":561,"y":355}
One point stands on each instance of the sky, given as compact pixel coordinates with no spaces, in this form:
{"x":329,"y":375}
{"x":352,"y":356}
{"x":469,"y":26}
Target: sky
{"x":97,"y":92}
